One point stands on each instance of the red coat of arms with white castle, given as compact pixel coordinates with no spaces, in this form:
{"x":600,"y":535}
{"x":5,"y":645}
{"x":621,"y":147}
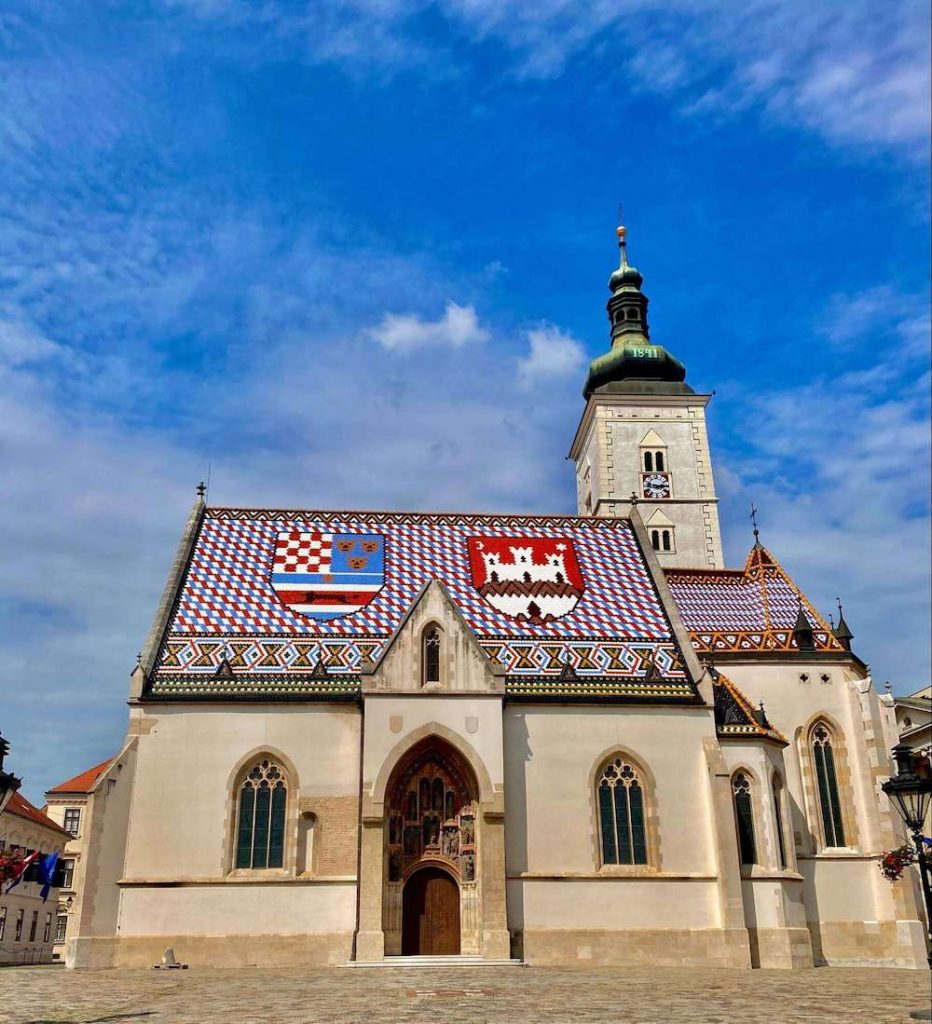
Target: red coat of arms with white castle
{"x":531,"y":578}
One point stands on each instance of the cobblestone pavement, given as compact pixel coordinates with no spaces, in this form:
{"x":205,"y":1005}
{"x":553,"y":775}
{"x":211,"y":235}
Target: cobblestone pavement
{"x":507,"y":995}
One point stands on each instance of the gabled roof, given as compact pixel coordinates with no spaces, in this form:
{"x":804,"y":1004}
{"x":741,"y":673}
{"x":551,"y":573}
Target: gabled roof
{"x":22,"y":808}
{"x":84,"y":782}
{"x":734,"y":716}
{"x":746,"y":610}
{"x":237,"y":628}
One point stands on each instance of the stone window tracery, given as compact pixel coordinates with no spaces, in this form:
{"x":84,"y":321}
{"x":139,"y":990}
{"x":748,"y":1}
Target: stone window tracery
{"x":260,"y":833}
{"x":431,"y":655}
{"x":823,"y":756}
{"x":744,"y":817}
{"x":621,"y":814}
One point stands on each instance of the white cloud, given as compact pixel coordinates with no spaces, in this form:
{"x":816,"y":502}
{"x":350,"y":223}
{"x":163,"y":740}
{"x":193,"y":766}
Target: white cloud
{"x":407,"y":332}
{"x":854,"y":71}
{"x":865,"y":316}
{"x":551,"y":353}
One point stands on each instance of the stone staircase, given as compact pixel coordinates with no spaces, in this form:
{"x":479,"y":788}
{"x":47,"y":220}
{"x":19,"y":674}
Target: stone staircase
{"x":436,"y":962}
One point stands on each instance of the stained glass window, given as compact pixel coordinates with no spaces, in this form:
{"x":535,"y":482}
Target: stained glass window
{"x":260,"y":833}
{"x":432,"y":655}
{"x":827,"y":783}
{"x":621,"y":814}
{"x":744,"y":818}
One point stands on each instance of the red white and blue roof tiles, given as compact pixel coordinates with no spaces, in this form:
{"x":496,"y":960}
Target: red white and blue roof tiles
{"x":238,"y":609}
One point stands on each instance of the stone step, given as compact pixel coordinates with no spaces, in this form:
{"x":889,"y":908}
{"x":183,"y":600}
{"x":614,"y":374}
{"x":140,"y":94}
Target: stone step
{"x":435,"y":962}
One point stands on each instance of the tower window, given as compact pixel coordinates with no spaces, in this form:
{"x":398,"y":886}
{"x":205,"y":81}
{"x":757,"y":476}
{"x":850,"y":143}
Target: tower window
{"x":648,"y":462}
{"x":658,"y":461}
{"x":665,"y":540}
{"x":632,"y":313}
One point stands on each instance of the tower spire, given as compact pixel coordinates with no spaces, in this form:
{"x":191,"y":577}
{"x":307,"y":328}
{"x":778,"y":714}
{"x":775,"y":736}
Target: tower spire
{"x":634,"y":364}
{"x":841,"y":630}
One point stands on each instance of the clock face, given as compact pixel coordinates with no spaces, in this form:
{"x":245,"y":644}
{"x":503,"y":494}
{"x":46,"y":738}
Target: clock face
{"x":656,"y":485}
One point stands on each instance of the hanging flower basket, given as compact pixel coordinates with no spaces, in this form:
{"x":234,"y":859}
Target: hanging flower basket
{"x":893,"y":863}
{"x":9,"y":865}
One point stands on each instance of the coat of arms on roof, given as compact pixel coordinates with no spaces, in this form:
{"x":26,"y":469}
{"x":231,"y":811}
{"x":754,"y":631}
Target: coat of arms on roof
{"x":532,"y":578}
{"x":327,"y":575}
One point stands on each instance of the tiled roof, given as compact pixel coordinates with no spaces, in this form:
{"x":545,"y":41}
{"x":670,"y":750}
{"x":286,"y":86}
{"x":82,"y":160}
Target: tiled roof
{"x":750,"y":609}
{"x":22,"y":808}
{"x":734,"y":715}
{"x":238,"y":628}
{"x":84,"y":782}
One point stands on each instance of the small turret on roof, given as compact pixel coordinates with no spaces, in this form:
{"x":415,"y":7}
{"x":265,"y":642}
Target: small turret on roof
{"x":841,"y":631}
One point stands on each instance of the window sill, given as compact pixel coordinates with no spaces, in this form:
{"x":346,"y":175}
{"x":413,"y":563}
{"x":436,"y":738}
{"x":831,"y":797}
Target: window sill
{"x":757,"y":873}
{"x":837,"y":853}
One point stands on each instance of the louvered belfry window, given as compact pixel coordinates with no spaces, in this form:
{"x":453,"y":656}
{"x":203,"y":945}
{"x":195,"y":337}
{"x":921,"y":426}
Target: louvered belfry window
{"x":829,"y":803}
{"x":621,"y":814}
{"x":744,"y":818}
{"x":260,"y":835}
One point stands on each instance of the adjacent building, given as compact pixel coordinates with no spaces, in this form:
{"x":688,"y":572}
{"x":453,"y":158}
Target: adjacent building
{"x":356,"y":735}
{"x":27,"y":923}
{"x":67,"y":806}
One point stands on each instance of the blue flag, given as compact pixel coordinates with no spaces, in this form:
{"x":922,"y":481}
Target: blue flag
{"x":47,"y":873}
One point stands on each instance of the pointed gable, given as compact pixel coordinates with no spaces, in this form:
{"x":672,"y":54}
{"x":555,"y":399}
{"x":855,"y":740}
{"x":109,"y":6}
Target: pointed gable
{"x":752,"y":609}
{"x":268,"y":597}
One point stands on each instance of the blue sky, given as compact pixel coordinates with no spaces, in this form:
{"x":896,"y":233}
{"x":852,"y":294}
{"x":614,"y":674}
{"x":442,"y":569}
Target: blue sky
{"x":355,"y":252}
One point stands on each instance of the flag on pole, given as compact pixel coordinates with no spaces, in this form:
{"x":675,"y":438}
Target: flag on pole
{"x":20,"y":869}
{"x":47,"y":873}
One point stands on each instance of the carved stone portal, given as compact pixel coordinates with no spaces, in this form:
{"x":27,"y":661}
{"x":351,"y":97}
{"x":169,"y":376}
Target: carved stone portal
{"x":432,"y":819}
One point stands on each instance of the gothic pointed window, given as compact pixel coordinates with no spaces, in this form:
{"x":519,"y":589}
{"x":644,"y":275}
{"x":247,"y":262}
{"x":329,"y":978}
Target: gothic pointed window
{"x":621,"y":814}
{"x":823,"y":755}
{"x":777,"y":792}
{"x":260,"y":831}
{"x":431,"y":655}
{"x":744,"y":818}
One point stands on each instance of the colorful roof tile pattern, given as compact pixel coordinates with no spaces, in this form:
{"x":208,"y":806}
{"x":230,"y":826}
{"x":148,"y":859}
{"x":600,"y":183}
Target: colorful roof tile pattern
{"x":543,"y":595}
{"x":745,"y":610}
{"x":84,"y":782}
{"x":734,"y":715}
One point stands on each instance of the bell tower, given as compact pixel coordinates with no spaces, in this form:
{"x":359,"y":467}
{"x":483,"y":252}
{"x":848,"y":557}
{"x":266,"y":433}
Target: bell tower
{"x":643,"y":433}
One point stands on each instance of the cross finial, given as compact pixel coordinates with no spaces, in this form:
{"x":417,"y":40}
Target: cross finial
{"x":754,"y":521}
{"x":840,"y":612}
{"x":201,"y":489}
{"x":888,"y":686}
{"x":634,"y":498}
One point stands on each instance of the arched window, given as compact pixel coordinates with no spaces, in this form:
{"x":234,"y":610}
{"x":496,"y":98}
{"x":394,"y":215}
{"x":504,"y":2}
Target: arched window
{"x":777,"y":791}
{"x":621,"y":814}
{"x":827,"y":785}
{"x":431,"y":655}
{"x":658,"y":461}
{"x":648,"y":462}
{"x":260,"y":831}
{"x":665,"y":539}
{"x":744,"y":817}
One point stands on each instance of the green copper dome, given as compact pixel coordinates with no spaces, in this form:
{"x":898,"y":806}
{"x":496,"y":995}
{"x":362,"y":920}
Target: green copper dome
{"x":633,"y":364}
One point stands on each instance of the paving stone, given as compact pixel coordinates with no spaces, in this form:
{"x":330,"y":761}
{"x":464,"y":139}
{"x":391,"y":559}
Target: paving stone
{"x":529,"y":995}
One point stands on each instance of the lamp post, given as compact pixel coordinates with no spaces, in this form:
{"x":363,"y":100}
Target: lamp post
{"x":910,"y":794}
{"x":9,"y":783}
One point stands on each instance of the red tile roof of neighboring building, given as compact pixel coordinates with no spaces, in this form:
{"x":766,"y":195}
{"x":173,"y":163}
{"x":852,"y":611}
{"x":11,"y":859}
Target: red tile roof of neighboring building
{"x":84,"y":782}
{"x":22,"y":808}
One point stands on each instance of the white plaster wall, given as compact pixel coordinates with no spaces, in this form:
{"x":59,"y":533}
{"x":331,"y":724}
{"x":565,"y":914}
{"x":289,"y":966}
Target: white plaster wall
{"x":476,"y":719}
{"x":551,"y":753}
{"x":612,"y":904}
{"x":239,"y":909}
{"x":179,"y":825}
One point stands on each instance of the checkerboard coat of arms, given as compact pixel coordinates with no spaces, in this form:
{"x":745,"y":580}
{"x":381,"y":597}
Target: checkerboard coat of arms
{"x":327,"y":575}
{"x":532,"y":578}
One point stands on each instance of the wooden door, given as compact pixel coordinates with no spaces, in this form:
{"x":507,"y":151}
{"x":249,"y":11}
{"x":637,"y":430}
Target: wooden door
{"x":430,"y":922}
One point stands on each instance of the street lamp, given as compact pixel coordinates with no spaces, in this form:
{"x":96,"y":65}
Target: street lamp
{"x":910,"y":794}
{"x":9,"y":783}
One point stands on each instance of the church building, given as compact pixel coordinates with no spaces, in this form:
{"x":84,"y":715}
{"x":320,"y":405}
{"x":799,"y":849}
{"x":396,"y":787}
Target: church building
{"x":359,"y":735}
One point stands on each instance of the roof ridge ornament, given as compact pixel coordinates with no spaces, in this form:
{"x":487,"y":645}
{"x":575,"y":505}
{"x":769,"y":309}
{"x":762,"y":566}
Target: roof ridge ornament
{"x":757,"y":542}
